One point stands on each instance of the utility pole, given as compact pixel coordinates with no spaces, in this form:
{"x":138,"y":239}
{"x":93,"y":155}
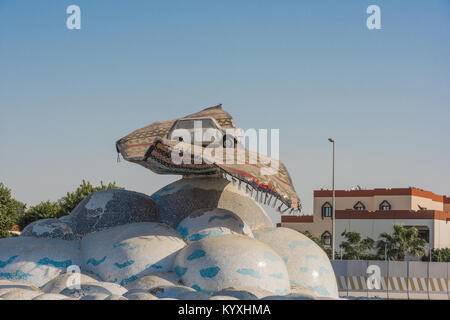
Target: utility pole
{"x":385,"y":251}
{"x":333,"y":205}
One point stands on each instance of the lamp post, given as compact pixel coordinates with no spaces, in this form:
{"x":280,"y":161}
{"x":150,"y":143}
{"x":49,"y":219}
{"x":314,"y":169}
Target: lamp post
{"x":333,"y":243}
{"x":385,"y":251}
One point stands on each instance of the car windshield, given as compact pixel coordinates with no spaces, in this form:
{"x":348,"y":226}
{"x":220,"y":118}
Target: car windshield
{"x":189,"y":124}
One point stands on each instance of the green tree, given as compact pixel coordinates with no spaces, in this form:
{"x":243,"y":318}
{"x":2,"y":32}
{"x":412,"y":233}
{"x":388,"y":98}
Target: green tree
{"x":43,"y":210}
{"x":72,"y":199}
{"x":63,"y":206}
{"x":354,"y":247}
{"x":402,"y":241}
{"x":438,"y":255}
{"x":6,"y":222}
{"x":9,"y":210}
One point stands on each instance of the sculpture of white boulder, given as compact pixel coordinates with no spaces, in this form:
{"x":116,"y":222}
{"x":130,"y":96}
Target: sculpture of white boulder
{"x":244,"y":293}
{"x":209,"y":222}
{"x":94,"y":288}
{"x":49,"y":228}
{"x":112,"y":207}
{"x":124,"y":253}
{"x":96,"y":296}
{"x":223,"y":298}
{"x":36,"y":260}
{"x":64,"y":281}
{"x":179,"y":199}
{"x":178,"y":292}
{"x":307,"y":264}
{"x":141,"y":296}
{"x":50,"y":296}
{"x":18,"y":294}
{"x":6,"y":284}
{"x":292,"y":296}
{"x":115,"y":297}
{"x":216,"y":263}
{"x":153,"y":280}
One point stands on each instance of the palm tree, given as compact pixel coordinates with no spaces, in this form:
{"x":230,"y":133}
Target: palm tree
{"x":354,"y":246}
{"x":403,"y":240}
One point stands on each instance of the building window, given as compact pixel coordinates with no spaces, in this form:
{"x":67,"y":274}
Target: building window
{"x":385,"y":205}
{"x":359,"y":206}
{"x":327,"y":210}
{"x":424,"y":232}
{"x":425,"y":235}
{"x":326,"y":237}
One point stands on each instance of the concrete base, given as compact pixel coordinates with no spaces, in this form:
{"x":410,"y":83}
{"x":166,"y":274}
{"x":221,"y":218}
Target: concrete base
{"x":359,"y":294}
{"x":378,"y":294}
{"x":418,"y":296}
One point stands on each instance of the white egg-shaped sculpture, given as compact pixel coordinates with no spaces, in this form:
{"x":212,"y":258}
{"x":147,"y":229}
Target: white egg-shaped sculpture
{"x":125,"y":253}
{"x":36,"y":260}
{"x":308,"y":265}
{"x":216,"y":263}
{"x":210,"y":222}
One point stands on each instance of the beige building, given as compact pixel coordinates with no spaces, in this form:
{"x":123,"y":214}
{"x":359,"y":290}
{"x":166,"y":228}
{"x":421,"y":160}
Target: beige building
{"x":371,"y":212}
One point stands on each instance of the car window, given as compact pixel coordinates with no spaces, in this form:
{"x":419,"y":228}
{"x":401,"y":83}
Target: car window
{"x":208,"y":123}
{"x":189,"y":124}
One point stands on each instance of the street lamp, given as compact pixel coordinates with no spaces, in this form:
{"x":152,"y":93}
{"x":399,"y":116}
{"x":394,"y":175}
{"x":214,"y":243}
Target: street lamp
{"x":385,"y":251}
{"x":333,"y":243}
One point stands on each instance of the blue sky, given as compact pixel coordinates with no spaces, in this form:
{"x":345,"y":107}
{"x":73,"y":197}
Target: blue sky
{"x":310,"y":68}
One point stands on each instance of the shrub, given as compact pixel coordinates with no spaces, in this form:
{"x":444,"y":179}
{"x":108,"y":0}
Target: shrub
{"x":402,"y":241}
{"x":438,"y":255}
{"x":63,"y":206}
{"x":9,"y":211}
{"x":72,"y":199}
{"x":43,"y":210}
{"x":355,"y":248}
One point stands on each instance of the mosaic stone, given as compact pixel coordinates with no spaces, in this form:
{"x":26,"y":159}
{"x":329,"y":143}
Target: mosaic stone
{"x":307,"y":264}
{"x":216,"y":263}
{"x":210,"y":222}
{"x":49,"y":228}
{"x":153,"y":280}
{"x":36,"y":260}
{"x":110,"y":208}
{"x":125,"y":253}
{"x":179,"y":199}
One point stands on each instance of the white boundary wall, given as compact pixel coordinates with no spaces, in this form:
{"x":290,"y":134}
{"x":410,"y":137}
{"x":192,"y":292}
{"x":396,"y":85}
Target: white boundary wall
{"x":396,"y":279}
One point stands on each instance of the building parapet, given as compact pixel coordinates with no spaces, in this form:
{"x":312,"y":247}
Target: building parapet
{"x":379,"y":214}
{"x":297,"y":219}
{"x":393,"y":214}
{"x":383,"y":192}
